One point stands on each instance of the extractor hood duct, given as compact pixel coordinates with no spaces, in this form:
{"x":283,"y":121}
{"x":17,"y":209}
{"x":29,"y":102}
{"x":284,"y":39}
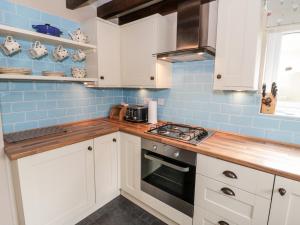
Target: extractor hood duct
{"x":196,"y":32}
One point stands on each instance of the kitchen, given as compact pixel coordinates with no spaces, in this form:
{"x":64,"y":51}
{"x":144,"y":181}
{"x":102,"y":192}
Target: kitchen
{"x":223,"y":122}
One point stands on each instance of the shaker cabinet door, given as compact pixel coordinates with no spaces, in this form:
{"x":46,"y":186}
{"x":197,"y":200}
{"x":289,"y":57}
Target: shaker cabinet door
{"x":238,"y":44}
{"x":56,"y":187}
{"x":106,"y":168}
{"x":130,"y":163}
{"x":285,"y":203}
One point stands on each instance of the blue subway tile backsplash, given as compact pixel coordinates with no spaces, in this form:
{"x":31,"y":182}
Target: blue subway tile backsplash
{"x":192,"y":100}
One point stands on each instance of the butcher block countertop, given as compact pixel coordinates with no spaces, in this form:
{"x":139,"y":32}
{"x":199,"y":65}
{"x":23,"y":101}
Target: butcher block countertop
{"x":264,"y":155}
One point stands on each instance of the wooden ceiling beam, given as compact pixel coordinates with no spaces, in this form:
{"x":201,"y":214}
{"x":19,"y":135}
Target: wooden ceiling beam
{"x":117,"y":8}
{"x":165,"y":7}
{"x":74,"y":4}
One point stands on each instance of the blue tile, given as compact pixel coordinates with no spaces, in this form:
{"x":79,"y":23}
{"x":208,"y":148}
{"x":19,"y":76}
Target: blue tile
{"x":26,"y":126}
{"x":21,"y":86}
{"x":55,"y":113}
{"x":292,"y":126}
{"x":7,"y":6}
{"x":46,"y":105}
{"x":4,"y":86}
{"x":34,"y":96}
{"x":48,"y":122}
{"x":14,"y":20}
{"x":219,"y":117}
{"x":241,"y":120}
{"x":52,"y":20}
{"x":23,"y":106}
{"x":12,"y":97}
{"x":8,"y":128}
{"x":255,"y":132}
{"x":231,"y":109}
{"x":45,"y":86}
{"x":279,"y":136}
{"x":36,"y":115}
{"x":266,"y":123}
{"x":28,"y":12}
{"x":5,"y":107}
{"x":8,"y":118}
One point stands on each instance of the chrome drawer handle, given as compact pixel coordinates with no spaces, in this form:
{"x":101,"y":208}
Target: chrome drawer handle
{"x":227,"y":191}
{"x":223,"y":223}
{"x":230,"y":174}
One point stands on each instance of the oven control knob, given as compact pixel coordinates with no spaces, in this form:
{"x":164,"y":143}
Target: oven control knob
{"x":154,"y":147}
{"x":176,"y":154}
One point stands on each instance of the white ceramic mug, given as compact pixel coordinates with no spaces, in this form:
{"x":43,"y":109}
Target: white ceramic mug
{"x":10,"y":46}
{"x":78,"y":36}
{"x":78,"y":56}
{"x":78,"y":72}
{"x":60,"y":53}
{"x":38,"y":50}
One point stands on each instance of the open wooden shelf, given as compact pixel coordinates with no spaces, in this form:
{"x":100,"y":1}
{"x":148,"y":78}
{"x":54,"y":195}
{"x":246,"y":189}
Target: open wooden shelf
{"x":35,"y":36}
{"x":44,"y":78}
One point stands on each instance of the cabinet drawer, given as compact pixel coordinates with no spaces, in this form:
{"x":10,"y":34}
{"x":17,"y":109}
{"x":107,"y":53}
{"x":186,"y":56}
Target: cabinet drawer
{"x":203,"y":217}
{"x":230,"y":202}
{"x":247,"y":179}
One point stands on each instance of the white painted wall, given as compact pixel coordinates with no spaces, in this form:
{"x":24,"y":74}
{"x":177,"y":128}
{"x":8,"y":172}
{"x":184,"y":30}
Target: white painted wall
{"x":58,"y":8}
{"x":7,"y":206}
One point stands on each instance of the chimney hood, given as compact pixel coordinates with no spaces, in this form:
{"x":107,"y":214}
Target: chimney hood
{"x":196,"y":32}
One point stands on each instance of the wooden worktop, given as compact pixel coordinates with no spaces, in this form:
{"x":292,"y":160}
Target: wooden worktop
{"x":264,"y":155}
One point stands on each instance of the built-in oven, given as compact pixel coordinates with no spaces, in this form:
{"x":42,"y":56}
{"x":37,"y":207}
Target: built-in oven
{"x":168,"y":174}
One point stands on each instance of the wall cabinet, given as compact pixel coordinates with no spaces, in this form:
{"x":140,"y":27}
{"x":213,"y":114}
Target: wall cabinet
{"x":285,"y":202}
{"x":130,"y":163}
{"x":238,"y":49}
{"x":106,"y":168}
{"x":55,"y":187}
{"x":140,"y":40}
{"x":105,"y":63}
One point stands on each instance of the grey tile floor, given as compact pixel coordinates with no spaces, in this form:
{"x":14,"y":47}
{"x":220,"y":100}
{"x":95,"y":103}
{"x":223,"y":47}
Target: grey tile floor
{"x":121,"y":211}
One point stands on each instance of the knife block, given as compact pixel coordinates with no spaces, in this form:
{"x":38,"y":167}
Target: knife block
{"x":268,"y":109}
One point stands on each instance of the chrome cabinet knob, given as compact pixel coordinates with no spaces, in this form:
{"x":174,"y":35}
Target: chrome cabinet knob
{"x":154,"y":147}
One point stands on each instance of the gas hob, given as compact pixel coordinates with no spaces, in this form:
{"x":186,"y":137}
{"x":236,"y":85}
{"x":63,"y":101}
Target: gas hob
{"x":180,"y":132}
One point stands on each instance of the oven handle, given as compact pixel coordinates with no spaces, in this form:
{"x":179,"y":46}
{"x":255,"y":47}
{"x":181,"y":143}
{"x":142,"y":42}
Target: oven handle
{"x":175,"y":167}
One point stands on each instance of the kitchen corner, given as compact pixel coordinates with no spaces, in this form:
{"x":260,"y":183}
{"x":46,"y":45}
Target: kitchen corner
{"x":149,"y":112}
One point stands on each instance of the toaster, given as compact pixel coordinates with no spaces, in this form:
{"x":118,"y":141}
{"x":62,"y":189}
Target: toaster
{"x":137,"y":113}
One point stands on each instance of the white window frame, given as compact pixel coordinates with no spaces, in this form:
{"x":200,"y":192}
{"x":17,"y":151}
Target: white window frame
{"x":271,"y":62}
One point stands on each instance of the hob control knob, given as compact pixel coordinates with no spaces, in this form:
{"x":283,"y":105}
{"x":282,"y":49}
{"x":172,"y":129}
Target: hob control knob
{"x":176,"y":154}
{"x":154,"y":147}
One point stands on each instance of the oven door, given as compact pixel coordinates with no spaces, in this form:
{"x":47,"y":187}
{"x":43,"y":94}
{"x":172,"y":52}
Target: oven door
{"x":168,"y":180}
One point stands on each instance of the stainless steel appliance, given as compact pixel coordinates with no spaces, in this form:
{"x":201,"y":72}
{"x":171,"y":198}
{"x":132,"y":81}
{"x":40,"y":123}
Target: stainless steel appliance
{"x":180,"y":132}
{"x":137,"y":113}
{"x":168,"y":174}
{"x":196,"y":32}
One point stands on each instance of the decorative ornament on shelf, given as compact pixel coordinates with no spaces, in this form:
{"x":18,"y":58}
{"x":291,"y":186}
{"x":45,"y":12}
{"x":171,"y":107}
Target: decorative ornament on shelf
{"x":78,"y":36}
{"x":10,"y":46}
{"x":269,"y":100}
{"x":47,"y":29}
{"x":78,"y":55}
{"x":78,"y":72}
{"x":37,"y":50}
{"x":60,"y":53}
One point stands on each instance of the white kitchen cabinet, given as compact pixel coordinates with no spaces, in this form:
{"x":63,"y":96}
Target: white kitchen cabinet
{"x":231,"y":203}
{"x":55,"y":187}
{"x":130,"y":163}
{"x":239,"y":39}
{"x":106,"y":168}
{"x":203,"y":217}
{"x":105,"y":63}
{"x":285,"y":203}
{"x":140,"y":40}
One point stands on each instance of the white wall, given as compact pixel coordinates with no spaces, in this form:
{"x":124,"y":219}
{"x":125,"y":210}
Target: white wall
{"x":58,"y":8}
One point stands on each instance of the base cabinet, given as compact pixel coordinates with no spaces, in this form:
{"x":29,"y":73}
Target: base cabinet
{"x":106,"y":168}
{"x":55,"y":187}
{"x":130,"y":163}
{"x":286,"y":202}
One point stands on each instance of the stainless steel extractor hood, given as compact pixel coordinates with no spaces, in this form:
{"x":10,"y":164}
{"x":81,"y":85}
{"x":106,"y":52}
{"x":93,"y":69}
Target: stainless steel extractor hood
{"x":196,"y":32}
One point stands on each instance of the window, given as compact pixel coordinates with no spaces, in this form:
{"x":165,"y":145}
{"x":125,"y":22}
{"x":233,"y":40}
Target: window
{"x":282,"y":66}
